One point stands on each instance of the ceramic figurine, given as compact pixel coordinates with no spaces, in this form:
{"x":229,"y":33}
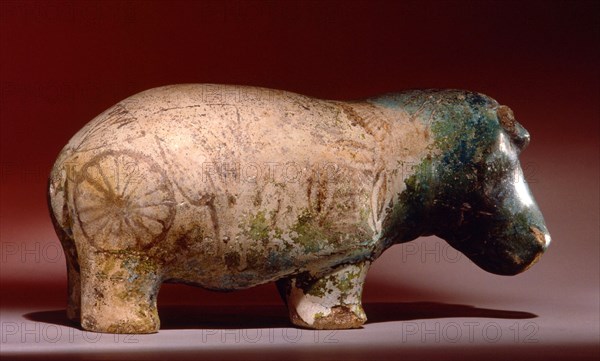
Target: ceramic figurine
{"x":229,"y":187}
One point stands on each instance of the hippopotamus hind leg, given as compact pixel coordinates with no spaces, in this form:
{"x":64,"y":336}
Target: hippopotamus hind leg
{"x":118,"y":292}
{"x":73,"y":277}
{"x":331,"y":301}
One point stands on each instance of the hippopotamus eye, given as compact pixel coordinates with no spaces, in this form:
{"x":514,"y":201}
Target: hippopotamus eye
{"x":518,"y":134}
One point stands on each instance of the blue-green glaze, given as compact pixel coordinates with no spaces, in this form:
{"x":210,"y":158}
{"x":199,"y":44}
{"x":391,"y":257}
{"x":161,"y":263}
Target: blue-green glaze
{"x":469,"y":189}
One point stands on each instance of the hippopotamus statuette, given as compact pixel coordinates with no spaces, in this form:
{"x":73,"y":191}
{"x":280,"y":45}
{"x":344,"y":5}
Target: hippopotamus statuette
{"x":229,"y":187}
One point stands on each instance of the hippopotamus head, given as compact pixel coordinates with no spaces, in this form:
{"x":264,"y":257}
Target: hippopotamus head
{"x":470,"y":189}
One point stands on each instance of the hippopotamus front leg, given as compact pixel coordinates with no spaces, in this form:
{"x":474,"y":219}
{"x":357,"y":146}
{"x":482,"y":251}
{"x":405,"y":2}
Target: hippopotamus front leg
{"x":330,"y":301}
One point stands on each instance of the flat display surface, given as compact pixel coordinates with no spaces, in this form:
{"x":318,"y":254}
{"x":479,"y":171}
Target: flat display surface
{"x":63,"y":63}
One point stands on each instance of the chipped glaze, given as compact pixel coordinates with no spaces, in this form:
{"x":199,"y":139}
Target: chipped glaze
{"x":229,"y":187}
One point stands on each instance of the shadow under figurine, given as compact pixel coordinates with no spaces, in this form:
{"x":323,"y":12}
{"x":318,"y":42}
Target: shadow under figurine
{"x":229,"y":187}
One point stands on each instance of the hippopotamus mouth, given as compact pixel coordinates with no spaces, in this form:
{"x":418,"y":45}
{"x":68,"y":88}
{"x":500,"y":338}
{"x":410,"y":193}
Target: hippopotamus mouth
{"x":508,"y":256}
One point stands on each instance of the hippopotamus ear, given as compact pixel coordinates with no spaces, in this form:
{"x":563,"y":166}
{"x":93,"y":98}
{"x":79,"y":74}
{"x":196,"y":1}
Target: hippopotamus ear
{"x":518,"y":134}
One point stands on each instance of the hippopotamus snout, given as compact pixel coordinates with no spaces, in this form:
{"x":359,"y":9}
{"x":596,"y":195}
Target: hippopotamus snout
{"x":489,"y":213}
{"x":512,"y":254}
{"x":499,"y":243}
{"x":522,"y":238}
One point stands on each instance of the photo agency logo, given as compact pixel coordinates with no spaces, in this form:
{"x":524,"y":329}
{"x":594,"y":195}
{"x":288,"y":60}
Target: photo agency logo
{"x":275,"y":172}
{"x":31,"y":252}
{"x":270,"y":335}
{"x":87,"y":16}
{"x":44,"y":333}
{"x":228,"y":95}
{"x":433,"y":250}
{"x":126,"y":174}
{"x":25,"y":172}
{"x":469,"y":332}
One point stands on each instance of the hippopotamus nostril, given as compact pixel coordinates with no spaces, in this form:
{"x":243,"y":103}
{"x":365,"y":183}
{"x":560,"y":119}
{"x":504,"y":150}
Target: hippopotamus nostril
{"x":542,"y":238}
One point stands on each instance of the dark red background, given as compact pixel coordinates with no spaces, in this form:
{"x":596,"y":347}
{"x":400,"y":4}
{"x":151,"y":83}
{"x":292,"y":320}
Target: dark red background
{"x":62,"y":63}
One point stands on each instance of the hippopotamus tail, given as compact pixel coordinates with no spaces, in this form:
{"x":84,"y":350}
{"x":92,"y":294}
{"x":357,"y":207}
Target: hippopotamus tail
{"x":58,"y":184}
{"x":57,"y":199}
